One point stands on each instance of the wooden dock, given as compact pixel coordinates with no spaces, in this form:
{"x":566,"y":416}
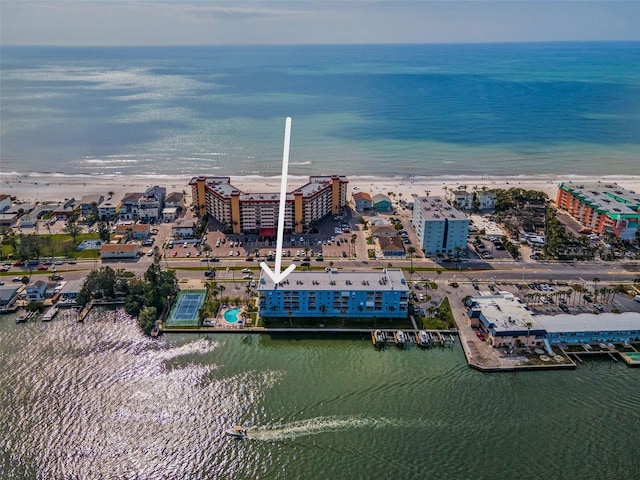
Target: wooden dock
{"x":406,"y":338}
{"x":48,"y":316}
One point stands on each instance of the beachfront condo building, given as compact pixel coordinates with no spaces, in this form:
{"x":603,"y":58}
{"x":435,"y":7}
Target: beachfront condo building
{"x":602,"y":207}
{"x":255,"y":212}
{"x":441,"y":229}
{"x":380,"y":294}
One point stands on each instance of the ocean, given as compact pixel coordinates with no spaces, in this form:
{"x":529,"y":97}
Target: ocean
{"x":101,"y":401}
{"x":383,"y":110}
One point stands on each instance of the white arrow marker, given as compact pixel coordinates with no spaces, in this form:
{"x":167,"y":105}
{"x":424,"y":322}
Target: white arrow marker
{"x":276,"y":275}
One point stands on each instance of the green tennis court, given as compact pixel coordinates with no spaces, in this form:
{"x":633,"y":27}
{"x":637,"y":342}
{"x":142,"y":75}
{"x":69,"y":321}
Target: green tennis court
{"x":185,"y":309}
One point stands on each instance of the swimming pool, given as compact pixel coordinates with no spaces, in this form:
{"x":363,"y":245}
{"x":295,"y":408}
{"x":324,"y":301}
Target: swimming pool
{"x":231,"y":315}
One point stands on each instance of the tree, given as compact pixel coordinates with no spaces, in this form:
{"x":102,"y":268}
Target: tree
{"x":104,"y":231}
{"x":411,"y":250}
{"x":72,"y":227}
{"x":147,"y":319}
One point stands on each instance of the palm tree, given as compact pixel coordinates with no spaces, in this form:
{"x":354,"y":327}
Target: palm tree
{"x":411,"y":250}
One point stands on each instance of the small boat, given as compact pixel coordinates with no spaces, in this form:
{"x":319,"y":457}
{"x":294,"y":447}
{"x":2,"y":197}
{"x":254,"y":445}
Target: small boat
{"x":379,"y":337}
{"x":237,"y":431}
{"x":423,"y":339}
{"x":400,"y":338}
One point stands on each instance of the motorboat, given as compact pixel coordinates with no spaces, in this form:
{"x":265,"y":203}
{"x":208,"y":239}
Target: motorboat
{"x":379,"y":336}
{"x":423,"y":338}
{"x":400,"y":338}
{"x":237,"y":431}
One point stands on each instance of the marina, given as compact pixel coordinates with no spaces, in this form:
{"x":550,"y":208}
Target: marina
{"x":407,"y":338}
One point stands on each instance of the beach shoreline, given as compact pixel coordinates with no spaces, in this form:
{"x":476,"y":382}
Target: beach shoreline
{"x":44,"y":187}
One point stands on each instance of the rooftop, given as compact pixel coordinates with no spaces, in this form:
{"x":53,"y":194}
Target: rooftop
{"x":434,"y":208}
{"x":506,"y":312}
{"x":589,"y":322}
{"x":605,"y":197}
{"x":385,"y":280}
{"x":222,"y":186}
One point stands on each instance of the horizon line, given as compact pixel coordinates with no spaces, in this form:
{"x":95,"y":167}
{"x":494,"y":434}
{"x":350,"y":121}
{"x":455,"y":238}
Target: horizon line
{"x":499,"y":42}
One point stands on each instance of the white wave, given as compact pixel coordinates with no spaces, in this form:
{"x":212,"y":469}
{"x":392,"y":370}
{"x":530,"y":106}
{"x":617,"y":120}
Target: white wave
{"x":318,"y":425}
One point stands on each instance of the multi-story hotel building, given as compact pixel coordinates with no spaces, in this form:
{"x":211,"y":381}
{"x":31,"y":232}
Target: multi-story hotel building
{"x":440,"y":227}
{"x":255,"y":212}
{"x":602,"y":207}
{"x":331,"y":293}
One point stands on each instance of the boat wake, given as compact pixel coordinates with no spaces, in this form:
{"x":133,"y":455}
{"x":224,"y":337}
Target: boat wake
{"x":318,"y":425}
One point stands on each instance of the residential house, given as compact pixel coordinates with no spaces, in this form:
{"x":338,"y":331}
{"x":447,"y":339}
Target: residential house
{"x":382,"y":203}
{"x":88,"y":203}
{"x":119,"y":251}
{"x":362,"y":201}
{"x":36,"y":290}
{"x":184,"y":228}
{"x":391,"y":246}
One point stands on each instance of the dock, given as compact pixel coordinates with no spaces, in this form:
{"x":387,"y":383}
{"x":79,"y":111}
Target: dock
{"x":52,"y":312}
{"x":406,"y":338}
{"x":25,"y":316}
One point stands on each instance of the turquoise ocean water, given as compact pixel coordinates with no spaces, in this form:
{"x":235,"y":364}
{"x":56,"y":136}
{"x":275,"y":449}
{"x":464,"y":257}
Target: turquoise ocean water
{"x":516,"y":109}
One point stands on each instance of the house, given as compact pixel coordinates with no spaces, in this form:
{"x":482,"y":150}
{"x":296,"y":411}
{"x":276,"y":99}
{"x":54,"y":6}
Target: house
{"x":391,"y":246}
{"x":382,"y":203}
{"x":88,"y":203}
{"x":174,"y":200}
{"x":137,"y":231}
{"x":70,"y":290}
{"x":476,"y":200}
{"x":65,"y":209}
{"x":8,"y":219}
{"x":5,"y":203}
{"x":119,"y":251}
{"x":387,"y":230}
{"x":362,"y":201}
{"x":108,"y":210}
{"x":184,"y":228}
{"x":8,"y":295}
{"x":36,"y":291}
{"x":169,"y":214}
{"x":359,"y":294}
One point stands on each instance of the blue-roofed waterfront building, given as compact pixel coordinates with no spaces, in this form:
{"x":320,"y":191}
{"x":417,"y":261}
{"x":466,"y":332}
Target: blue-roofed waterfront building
{"x":381,"y":294}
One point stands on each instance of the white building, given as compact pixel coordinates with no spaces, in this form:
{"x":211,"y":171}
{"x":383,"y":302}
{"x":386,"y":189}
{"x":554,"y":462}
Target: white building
{"x":441,"y":229}
{"x":475,"y":200}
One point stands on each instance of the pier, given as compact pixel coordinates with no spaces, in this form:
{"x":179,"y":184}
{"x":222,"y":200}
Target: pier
{"x":407,"y":338}
{"x":52,"y":312}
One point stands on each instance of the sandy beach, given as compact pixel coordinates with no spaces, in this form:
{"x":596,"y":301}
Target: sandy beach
{"x":45,"y":187}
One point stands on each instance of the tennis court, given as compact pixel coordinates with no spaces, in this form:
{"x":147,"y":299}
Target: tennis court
{"x":185,"y":309}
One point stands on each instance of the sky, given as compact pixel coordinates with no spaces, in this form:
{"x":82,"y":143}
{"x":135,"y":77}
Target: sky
{"x":212,"y":22}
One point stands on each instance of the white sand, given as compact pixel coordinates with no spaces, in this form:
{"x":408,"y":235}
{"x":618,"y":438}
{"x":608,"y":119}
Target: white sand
{"x":31,"y":188}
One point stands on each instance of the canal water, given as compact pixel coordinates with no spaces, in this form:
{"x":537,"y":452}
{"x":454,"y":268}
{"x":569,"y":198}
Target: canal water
{"x":98,"y":400}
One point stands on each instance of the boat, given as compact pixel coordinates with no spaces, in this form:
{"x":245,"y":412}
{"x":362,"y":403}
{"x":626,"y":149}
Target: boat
{"x":237,"y":431}
{"x":400,"y":338}
{"x":423,"y":338}
{"x":379,"y":337}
